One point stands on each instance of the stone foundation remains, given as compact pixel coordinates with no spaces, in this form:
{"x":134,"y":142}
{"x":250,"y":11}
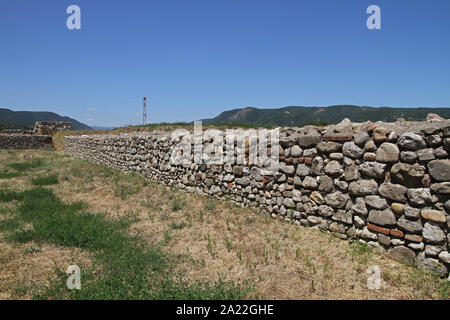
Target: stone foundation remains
{"x":38,"y":138}
{"x":51,"y":127}
{"x":25,"y":141}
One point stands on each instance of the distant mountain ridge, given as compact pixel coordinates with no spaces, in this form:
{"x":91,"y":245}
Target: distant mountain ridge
{"x":26,"y":119}
{"x":102,"y":128}
{"x":299,"y":116}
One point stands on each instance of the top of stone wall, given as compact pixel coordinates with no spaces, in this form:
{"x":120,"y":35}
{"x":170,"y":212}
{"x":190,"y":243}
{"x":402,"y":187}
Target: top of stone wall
{"x":341,"y":132}
{"x":399,"y":127}
{"x":51,"y":127}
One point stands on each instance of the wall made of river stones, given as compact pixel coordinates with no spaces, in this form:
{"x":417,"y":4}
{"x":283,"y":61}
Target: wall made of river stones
{"x":387,"y":184}
{"x":25,"y":141}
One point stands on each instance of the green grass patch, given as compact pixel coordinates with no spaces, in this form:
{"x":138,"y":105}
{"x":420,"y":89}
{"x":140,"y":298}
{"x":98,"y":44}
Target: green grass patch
{"x":444,"y":288}
{"x":45,"y":180}
{"x":27,"y":165}
{"x":32,"y":249}
{"x":177,"y":205}
{"x":127,"y":184}
{"x":360,"y":248}
{"x":210,"y":205}
{"x":178,"y":226}
{"x":123,"y":191}
{"x":130,"y":268}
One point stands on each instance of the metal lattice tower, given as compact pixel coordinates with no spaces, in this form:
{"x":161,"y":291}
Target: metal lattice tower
{"x":144,"y":112}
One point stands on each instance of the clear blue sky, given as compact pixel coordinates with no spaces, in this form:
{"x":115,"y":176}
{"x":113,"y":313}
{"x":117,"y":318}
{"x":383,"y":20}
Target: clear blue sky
{"x":197,"y":58}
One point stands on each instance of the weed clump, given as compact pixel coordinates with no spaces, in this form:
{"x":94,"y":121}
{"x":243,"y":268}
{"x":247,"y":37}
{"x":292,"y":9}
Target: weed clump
{"x":45,"y":180}
{"x":27,"y":165}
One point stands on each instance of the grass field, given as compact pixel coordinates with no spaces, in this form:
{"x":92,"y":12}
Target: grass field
{"x":58,"y":137}
{"x":135,"y":239}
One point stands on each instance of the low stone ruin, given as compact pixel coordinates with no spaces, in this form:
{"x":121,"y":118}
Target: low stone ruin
{"x":38,"y":138}
{"x":51,"y":127}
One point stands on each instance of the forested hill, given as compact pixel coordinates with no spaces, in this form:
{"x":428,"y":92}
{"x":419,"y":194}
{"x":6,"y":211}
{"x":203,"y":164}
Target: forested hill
{"x":26,"y":119}
{"x":299,"y":116}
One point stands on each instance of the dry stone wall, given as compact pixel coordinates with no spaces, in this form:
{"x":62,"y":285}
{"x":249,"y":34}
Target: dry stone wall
{"x":38,"y":138}
{"x":387,"y":184}
{"x":51,"y":127}
{"x":25,"y":141}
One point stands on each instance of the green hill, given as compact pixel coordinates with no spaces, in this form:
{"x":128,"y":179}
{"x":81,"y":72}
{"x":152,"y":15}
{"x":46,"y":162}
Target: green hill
{"x":299,"y":116}
{"x":26,"y":119}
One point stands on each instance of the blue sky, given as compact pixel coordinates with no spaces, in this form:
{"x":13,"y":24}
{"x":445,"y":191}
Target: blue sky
{"x":194,"y":59}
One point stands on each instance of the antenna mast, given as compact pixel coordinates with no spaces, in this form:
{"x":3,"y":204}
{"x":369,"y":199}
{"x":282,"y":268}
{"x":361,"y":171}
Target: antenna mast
{"x":144,"y":112}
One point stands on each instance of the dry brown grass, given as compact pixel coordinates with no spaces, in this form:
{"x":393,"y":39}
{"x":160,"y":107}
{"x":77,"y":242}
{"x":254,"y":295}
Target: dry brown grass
{"x":214,"y":239}
{"x":58,"y":138}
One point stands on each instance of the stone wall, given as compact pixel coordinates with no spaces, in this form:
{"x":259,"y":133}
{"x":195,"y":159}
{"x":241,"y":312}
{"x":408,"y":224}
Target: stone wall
{"x":51,"y":127}
{"x":387,"y":184}
{"x":25,"y":141}
{"x":16,"y":131}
